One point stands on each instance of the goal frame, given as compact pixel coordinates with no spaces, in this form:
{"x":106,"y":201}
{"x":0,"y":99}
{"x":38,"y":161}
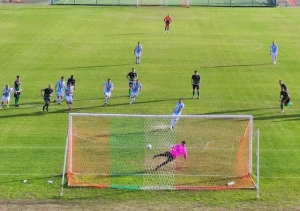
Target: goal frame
{"x":68,"y":153}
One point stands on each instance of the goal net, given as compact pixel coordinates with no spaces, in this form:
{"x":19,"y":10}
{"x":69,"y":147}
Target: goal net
{"x":110,"y":151}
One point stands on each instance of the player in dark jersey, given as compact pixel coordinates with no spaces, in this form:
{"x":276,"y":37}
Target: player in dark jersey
{"x":282,"y":85}
{"x":47,"y":94}
{"x":284,"y":99}
{"x":196,"y":82}
{"x":72,"y":81}
{"x":17,"y":90}
{"x":131,"y":76}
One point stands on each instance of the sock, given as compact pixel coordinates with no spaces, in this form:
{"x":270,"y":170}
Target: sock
{"x":193,"y":93}
{"x":198,"y":94}
{"x":281,"y":106}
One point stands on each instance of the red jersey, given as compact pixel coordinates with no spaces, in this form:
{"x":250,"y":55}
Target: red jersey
{"x":168,"y":19}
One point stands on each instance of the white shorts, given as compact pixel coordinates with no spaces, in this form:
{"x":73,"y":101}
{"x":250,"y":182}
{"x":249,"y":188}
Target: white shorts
{"x":4,"y":99}
{"x":60,"y":94}
{"x":138,"y":54}
{"x":69,"y":99}
{"x":107,"y":94}
{"x":134,"y":94}
{"x":274,"y":55}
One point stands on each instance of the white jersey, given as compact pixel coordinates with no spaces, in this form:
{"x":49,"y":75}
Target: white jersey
{"x":60,"y":86}
{"x":6,"y":92}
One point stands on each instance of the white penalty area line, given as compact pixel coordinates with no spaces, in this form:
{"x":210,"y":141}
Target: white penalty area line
{"x":13,"y":10}
{"x":40,"y":175}
{"x":279,"y":177}
{"x":32,"y":148}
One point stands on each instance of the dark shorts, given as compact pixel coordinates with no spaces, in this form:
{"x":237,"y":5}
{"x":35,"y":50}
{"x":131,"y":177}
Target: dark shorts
{"x":169,"y":156}
{"x":47,"y":99}
{"x":195,"y":86}
{"x":16,"y":94}
{"x":285,"y":100}
{"x":130,"y":83}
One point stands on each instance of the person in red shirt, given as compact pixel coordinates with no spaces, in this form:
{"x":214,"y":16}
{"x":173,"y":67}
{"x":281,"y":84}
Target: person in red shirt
{"x":167,"y":21}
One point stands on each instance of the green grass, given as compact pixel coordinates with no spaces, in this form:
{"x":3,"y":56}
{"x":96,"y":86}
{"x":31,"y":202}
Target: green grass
{"x":229,"y":47}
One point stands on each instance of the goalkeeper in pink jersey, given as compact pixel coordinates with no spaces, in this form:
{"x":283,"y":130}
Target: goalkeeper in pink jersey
{"x":173,"y":153}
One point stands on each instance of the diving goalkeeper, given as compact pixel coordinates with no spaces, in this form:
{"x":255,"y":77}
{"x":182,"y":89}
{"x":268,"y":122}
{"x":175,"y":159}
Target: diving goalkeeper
{"x":172,"y":154}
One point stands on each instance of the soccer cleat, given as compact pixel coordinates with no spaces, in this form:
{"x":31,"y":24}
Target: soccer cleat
{"x":193,"y":97}
{"x":54,"y":101}
{"x":17,"y":105}
{"x":58,"y":103}
{"x":198,"y":97}
{"x":282,"y":111}
{"x":105,"y":104}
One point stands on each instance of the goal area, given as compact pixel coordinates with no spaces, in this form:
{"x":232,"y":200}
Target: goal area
{"x":110,"y":151}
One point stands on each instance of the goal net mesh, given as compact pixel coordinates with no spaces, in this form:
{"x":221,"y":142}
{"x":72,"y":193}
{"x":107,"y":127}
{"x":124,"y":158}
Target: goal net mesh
{"x":110,"y":151}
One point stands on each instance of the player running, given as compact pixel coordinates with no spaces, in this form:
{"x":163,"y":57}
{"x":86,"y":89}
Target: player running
{"x":131,"y":77}
{"x":172,"y":154}
{"x":60,"y":90}
{"x":6,"y":95}
{"x":17,"y":90}
{"x":282,"y":85}
{"x":47,"y":94}
{"x":69,"y":95}
{"x":196,"y":82}
{"x":136,"y":88}
{"x":138,"y":52}
{"x":108,"y":87}
{"x":167,"y":21}
{"x":274,"y":52}
{"x":284,"y":99}
{"x":176,"y":113}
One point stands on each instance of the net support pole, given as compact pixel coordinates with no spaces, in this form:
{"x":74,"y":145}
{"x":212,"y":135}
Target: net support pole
{"x":257,"y":166}
{"x":64,"y":166}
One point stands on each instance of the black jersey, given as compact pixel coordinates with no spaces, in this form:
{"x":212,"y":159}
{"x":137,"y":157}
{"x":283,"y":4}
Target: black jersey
{"x":196,"y":79}
{"x":72,"y":81}
{"x":283,"y":86}
{"x":47,"y":92}
{"x":284,"y":94}
{"x":132,"y":76}
{"x":17,"y":85}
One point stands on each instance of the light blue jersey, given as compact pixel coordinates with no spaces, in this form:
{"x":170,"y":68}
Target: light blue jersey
{"x":60,"y":86}
{"x":273,"y":48}
{"x":138,"y":49}
{"x":6,"y":92}
{"x":178,"y":108}
{"x":108,"y":86}
{"x":69,"y":91}
{"x":136,"y":87}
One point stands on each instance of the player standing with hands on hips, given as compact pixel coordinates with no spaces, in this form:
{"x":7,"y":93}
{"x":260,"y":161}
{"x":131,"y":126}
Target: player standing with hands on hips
{"x":167,"y":21}
{"x":138,"y":52}
{"x":274,"y":52}
{"x":196,"y":82}
{"x":176,"y":113}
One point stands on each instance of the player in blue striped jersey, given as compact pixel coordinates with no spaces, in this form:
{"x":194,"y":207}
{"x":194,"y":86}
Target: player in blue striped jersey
{"x":177,"y":112}
{"x":6,"y":95}
{"x":138,"y":52}
{"x":60,"y":90}
{"x":69,"y":95}
{"x":136,"y":88}
{"x":108,"y":87}
{"x":274,"y":52}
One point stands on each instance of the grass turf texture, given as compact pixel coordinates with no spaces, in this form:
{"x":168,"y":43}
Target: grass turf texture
{"x":229,"y":47}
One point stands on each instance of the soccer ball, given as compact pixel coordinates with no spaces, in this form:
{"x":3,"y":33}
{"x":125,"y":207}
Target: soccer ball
{"x":149,"y":146}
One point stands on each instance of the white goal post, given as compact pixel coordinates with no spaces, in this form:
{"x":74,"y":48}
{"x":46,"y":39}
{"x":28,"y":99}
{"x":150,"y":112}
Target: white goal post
{"x":112,"y":151}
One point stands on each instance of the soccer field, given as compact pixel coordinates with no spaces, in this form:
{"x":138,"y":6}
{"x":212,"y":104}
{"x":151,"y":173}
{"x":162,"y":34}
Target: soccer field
{"x":228,"y":46}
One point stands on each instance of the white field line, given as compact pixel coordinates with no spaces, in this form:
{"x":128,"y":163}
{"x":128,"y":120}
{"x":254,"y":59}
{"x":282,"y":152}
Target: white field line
{"x":32,"y":147}
{"x":13,"y":10}
{"x":43,"y":175}
{"x":206,"y":145}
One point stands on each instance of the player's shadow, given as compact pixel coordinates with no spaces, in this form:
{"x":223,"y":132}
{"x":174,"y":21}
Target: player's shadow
{"x":237,"y":65}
